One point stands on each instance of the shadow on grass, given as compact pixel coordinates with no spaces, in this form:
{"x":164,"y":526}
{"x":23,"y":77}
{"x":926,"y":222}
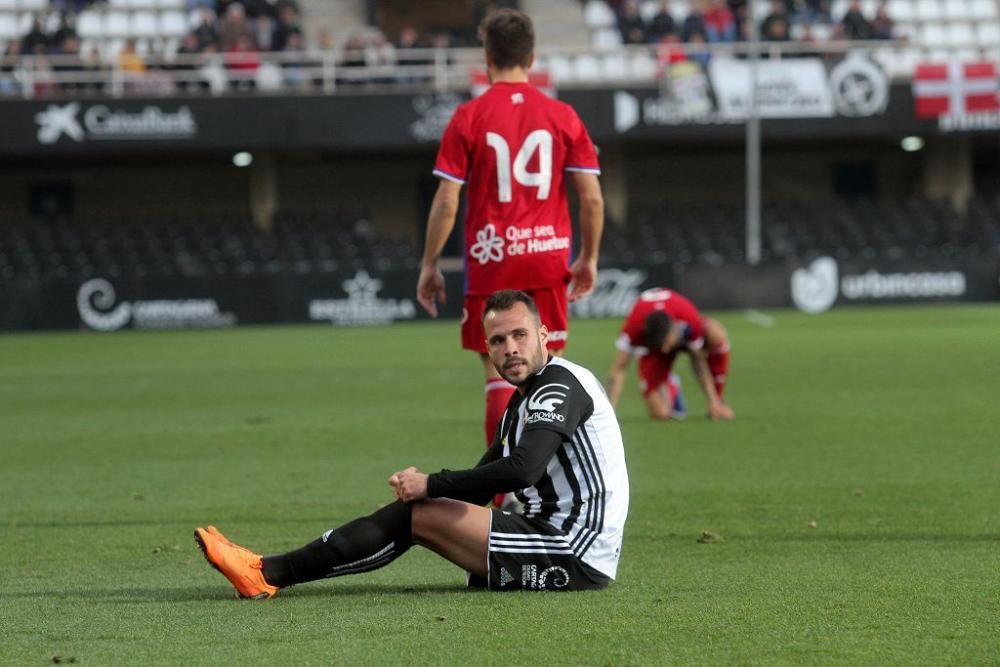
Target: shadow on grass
{"x":216,"y":593}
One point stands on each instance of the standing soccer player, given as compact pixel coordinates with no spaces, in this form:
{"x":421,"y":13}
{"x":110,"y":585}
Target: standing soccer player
{"x":514,"y":147}
{"x":661,"y":324}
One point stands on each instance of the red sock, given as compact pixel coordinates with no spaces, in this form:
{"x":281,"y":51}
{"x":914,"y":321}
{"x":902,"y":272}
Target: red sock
{"x":718,"y":364}
{"x":498,"y":393}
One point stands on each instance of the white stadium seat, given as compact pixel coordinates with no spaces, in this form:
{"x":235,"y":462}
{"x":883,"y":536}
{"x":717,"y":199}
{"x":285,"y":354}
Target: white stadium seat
{"x":680,"y":9}
{"x":144,"y":24}
{"x":988,"y":34}
{"x":89,"y":25}
{"x":8,"y":5}
{"x":33,"y":5}
{"x":933,"y":35}
{"x":961,"y":34}
{"x":902,"y":10}
{"x":171,"y":4}
{"x":597,"y":14}
{"x":173,"y":24}
{"x":983,"y":9}
{"x":958,"y":9}
{"x":142,"y":4}
{"x":9,"y":29}
{"x":606,"y":39}
{"x":116,"y":24}
{"x":561,"y":69}
{"x":615,"y":66}
{"x":586,"y":68}
{"x":929,"y":10}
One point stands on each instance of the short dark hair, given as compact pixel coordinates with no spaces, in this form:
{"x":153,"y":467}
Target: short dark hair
{"x":506,"y":299}
{"x":509,"y":38}
{"x":655,"y":329}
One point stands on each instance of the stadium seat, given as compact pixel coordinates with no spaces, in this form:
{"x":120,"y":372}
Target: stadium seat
{"x":89,"y":25}
{"x":958,"y":9}
{"x":173,"y":24}
{"x":586,"y":68}
{"x":933,"y":35}
{"x":561,"y":68}
{"x":929,"y":10}
{"x":983,"y":9}
{"x":606,"y":39}
{"x":33,"y":5}
{"x":615,"y":66}
{"x":116,"y":24}
{"x":961,"y":34}
{"x":144,"y":24}
{"x":902,"y":11}
{"x":141,"y":4}
{"x":9,"y":28}
{"x":988,"y":34}
{"x":597,"y":14}
{"x":8,"y":5}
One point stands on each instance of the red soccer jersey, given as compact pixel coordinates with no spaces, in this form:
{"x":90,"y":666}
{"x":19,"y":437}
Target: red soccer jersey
{"x":673,"y":304}
{"x":512,"y":146}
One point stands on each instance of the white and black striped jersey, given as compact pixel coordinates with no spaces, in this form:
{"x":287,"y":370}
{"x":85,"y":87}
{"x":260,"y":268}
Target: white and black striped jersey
{"x":584,"y":491}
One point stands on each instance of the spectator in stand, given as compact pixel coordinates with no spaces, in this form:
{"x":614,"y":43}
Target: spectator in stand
{"x":289,"y":23}
{"x":9,"y":85}
{"x":293,"y":69}
{"x":719,"y":22}
{"x":775,"y":26}
{"x":188,"y":63}
{"x":883,"y":25}
{"x":262,"y":33}
{"x":699,"y":51}
{"x":854,"y":25}
{"x":669,"y":51}
{"x":66,"y":29}
{"x":206,"y":30}
{"x":811,"y":11}
{"x":694,"y":22}
{"x":129,"y":60}
{"x":36,"y":40}
{"x":242,"y":63}
{"x":662,"y":24}
{"x":630,"y":23}
{"x":776,"y":12}
{"x":68,"y":61}
{"x":234,"y":27}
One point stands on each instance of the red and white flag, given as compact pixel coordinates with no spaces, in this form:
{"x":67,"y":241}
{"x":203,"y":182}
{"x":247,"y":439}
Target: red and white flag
{"x":955,"y":89}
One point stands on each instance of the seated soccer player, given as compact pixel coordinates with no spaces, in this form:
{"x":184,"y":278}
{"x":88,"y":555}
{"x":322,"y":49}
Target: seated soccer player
{"x":558,"y":449}
{"x":661,"y":324}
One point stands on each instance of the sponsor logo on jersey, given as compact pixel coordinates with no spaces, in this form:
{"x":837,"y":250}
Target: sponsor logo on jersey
{"x":548,"y":397}
{"x":488,"y":246}
{"x":555,"y":577}
{"x":505,"y":577}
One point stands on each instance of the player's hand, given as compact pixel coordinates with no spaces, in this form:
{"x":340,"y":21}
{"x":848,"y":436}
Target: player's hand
{"x":720,"y":412}
{"x":430,"y":289}
{"x":409,"y":485}
{"x":583,"y":276}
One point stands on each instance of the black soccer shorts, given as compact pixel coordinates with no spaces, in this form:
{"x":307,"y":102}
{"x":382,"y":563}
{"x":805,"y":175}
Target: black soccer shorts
{"x":526,"y":554}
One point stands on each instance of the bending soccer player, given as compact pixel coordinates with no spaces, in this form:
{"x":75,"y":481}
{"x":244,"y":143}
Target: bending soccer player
{"x":663,"y":323}
{"x":558,"y":448}
{"x":516,"y":147}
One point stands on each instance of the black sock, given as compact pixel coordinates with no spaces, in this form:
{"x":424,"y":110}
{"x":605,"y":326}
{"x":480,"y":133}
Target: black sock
{"x":362,"y":545}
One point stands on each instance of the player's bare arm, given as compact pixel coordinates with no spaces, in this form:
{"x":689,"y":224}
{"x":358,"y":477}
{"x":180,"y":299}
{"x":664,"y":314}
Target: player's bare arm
{"x":717,"y":410}
{"x":616,"y":376}
{"x":584,"y":267}
{"x":440,"y":222}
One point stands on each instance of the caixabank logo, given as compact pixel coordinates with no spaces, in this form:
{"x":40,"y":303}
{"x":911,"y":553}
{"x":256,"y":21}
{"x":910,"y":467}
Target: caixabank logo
{"x":76,"y":123}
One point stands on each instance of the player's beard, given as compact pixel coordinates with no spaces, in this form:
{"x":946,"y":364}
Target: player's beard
{"x":526,"y":367}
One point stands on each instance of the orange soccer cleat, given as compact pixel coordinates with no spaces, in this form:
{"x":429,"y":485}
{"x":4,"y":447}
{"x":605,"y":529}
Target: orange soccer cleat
{"x":240,"y":566}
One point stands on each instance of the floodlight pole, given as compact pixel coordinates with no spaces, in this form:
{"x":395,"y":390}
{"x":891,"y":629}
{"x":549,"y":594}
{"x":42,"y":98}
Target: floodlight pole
{"x":753,"y":146}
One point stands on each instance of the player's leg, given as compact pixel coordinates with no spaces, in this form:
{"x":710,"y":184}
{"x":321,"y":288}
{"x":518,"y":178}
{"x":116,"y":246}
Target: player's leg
{"x":654,"y":382}
{"x":553,"y":310}
{"x":717,"y":340}
{"x":454,"y":530}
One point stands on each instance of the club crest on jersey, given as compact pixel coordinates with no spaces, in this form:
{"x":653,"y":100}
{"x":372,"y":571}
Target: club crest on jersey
{"x":543,"y":403}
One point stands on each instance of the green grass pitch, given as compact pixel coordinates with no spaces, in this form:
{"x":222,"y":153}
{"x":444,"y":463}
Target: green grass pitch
{"x":856,"y":495}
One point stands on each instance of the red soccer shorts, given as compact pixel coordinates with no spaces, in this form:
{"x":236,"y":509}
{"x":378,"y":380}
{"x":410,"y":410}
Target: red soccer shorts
{"x":654,"y":370}
{"x":552,"y":307}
